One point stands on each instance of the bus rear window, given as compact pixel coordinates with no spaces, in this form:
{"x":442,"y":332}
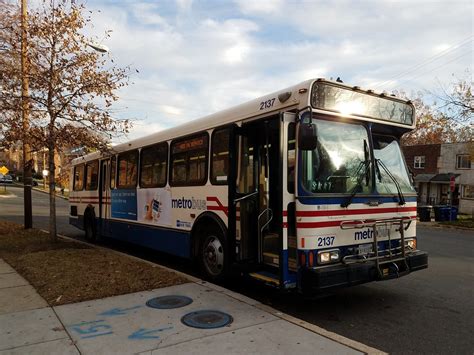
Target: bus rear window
{"x":92,"y":175}
{"x":189,"y":161}
{"x":128,"y":167}
{"x":78,"y":177}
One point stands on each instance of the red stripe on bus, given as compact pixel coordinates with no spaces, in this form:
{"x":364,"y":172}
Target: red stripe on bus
{"x":219,"y":207}
{"x":326,"y":213}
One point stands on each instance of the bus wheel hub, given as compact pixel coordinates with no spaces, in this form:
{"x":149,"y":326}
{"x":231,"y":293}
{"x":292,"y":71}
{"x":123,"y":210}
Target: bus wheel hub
{"x":214,"y":255}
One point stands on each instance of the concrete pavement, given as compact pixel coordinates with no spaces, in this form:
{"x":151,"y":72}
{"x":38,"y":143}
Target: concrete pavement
{"x":126,"y":324}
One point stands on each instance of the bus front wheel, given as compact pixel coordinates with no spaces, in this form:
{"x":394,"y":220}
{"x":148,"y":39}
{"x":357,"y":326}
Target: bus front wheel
{"x":213,"y":256}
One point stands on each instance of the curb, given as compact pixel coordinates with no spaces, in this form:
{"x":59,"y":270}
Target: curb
{"x":47,"y":192}
{"x":355,"y":345}
{"x":42,"y":191}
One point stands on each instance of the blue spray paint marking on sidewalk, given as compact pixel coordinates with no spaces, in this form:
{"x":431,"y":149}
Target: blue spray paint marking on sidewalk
{"x":92,"y":329}
{"x":143,"y":333}
{"x":96,"y":335}
{"x":118,"y":311}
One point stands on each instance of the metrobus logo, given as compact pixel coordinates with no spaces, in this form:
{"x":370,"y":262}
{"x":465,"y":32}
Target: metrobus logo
{"x":192,"y":203}
{"x":363,"y":235}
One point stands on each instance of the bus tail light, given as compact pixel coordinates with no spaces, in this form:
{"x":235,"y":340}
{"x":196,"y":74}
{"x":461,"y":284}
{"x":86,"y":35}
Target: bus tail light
{"x":328,"y":256}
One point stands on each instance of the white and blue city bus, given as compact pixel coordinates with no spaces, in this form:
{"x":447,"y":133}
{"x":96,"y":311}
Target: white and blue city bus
{"x":304,"y":188}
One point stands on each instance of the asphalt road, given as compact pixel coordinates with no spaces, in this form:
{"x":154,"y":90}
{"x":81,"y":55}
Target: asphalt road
{"x":430,"y":311}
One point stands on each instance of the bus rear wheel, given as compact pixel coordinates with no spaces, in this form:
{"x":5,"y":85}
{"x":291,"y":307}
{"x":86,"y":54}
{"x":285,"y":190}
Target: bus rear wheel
{"x":212,"y":256}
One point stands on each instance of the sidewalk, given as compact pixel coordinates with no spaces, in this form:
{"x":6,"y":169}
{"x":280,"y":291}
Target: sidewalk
{"x":234,"y":324}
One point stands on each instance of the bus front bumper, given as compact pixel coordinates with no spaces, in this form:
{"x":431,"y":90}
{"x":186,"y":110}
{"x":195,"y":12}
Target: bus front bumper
{"x":329,"y":277}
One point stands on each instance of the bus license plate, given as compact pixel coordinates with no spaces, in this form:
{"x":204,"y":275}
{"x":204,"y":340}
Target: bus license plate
{"x":365,"y":249}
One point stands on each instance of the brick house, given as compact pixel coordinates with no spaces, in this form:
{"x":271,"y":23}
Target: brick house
{"x":435,"y":165}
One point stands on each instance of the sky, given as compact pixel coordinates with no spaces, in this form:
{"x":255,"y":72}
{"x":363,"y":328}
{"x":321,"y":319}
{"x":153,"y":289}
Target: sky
{"x":198,"y":57}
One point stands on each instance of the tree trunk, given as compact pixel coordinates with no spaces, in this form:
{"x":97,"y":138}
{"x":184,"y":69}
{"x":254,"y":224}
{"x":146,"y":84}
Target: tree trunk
{"x":52,"y":191}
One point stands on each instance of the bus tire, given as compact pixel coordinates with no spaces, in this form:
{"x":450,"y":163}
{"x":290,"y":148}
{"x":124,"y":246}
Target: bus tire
{"x":213,"y":254}
{"x":90,"y":227}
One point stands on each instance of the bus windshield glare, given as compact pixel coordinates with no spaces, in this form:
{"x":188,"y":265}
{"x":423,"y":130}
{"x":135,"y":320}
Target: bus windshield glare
{"x":388,"y":156}
{"x":328,"y":97}
{"x":340,"y":161}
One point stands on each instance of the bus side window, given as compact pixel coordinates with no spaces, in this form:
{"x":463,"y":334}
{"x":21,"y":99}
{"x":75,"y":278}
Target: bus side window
{"x":189,"y":161}
{"x":220,"y":156}
{"x":128,"y":165}
{"x":92,"y":175}
{"x":78,"y":177}
{"x":112,"y":172}
{"x":153,"y":165}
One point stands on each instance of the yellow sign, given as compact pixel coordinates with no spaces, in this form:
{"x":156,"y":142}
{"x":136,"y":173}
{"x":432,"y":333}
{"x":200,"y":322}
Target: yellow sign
{"x":4,"y":170}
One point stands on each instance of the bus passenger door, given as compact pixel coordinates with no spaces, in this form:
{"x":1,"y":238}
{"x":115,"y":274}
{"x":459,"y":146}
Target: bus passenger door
{"x":257,"y":196}
{"x":243,"y":191}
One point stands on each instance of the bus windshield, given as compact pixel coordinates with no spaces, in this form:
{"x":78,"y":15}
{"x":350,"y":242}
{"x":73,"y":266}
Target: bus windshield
{"x":389,"y":157}
{"x":340,"y":162}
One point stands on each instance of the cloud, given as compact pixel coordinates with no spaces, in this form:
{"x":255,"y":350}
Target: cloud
{"x":184,"y":5}
{"x":265,"y":7}
{"x":196,"y":58}
{"x":147,"y":14}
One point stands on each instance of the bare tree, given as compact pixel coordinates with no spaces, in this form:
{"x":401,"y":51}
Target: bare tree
{"x":457,"y":100}
{"x":434,"y":126}
{"x":72,"y":87}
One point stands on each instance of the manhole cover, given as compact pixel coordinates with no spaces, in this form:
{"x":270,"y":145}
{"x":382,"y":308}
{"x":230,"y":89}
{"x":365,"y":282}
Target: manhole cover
{"x":169,"y":302}
{"x":207,"y":319}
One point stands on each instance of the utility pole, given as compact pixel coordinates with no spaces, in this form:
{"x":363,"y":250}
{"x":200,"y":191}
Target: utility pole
{"x":25,"y":104}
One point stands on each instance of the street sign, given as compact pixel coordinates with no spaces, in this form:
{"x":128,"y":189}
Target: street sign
{"x":452,"y":183}
{"x":4,"y":170}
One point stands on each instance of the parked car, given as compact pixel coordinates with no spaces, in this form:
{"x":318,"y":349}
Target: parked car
{"x":6,"y":179}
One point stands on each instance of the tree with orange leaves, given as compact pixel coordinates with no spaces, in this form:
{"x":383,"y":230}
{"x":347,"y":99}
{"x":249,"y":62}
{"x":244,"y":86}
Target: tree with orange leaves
{"x":72,"y":87}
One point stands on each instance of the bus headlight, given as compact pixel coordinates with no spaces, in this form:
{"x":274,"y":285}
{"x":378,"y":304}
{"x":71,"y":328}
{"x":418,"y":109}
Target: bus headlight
{"x":410,"y":244}
{"x":328,"y":256}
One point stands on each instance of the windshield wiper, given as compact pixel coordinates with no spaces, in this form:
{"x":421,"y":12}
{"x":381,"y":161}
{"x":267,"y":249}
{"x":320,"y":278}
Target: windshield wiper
{"x":401,"y":198}
{"x":358,"y":186}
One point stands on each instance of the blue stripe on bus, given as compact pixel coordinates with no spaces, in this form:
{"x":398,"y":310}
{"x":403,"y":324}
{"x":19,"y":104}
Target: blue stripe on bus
{"x":310,"y":199}
{"x":289,"y":277}
{"x":77,"y":222}
{"x":170,"y":241}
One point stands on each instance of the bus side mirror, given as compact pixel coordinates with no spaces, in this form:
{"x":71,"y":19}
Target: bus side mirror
{"x":307,"y":136}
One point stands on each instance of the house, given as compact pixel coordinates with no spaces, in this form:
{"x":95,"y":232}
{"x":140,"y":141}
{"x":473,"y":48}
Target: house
{"x":438,"y":166}
{"x":12,"y":158}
